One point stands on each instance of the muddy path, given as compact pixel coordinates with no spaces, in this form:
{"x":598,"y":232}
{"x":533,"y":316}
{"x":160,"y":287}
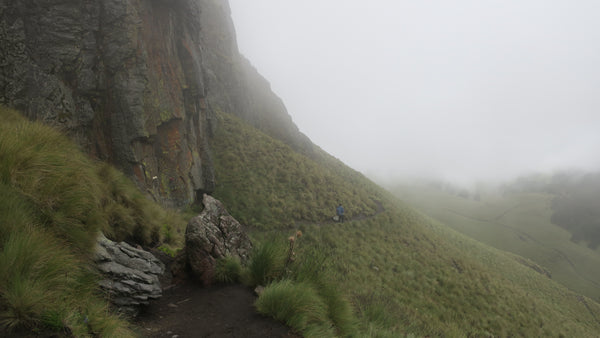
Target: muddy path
{"x":189,"y":310}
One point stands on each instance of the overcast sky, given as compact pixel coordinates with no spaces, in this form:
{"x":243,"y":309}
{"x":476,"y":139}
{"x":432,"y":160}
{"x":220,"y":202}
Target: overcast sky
{"x":459,"y":90}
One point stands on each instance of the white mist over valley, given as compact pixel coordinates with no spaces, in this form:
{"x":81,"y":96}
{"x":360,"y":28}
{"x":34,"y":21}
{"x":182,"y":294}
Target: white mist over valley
{"x":463,"y":91}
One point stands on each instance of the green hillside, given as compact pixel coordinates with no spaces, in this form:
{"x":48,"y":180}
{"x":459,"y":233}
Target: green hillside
{"x":264,"y":182}
{"x":575,"y":202}
{"x":405,"y":274}
{"x":518,"y":222}
{"x":402,"y":273}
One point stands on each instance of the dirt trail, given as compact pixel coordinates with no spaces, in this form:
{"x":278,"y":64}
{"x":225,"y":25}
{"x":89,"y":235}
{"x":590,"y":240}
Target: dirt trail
{"x":189,"y":310}
{"x":360,"y":217}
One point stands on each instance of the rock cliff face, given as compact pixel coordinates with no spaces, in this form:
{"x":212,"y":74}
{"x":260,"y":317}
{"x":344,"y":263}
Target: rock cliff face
{"x":136,"y":83}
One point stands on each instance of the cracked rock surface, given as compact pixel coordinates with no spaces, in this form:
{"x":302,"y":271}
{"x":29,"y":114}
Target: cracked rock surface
{"x":131,"y":275}
{"x":212,"y":235}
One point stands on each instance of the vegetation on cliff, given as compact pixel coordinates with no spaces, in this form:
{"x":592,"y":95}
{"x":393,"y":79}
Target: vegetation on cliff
{"x":53,"y":202}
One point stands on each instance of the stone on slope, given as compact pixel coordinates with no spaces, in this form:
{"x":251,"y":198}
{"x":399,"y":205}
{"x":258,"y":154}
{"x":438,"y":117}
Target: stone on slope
{"x":130,"y":274}
{"x":212,"y":235}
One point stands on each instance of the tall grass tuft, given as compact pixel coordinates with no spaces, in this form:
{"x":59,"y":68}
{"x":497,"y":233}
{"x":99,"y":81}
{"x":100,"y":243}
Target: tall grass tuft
{"x":267,"y":262}
{"x":228,"y":270}
{"x":302,"y":272}
{"x":130,"y":215}
{"x":312,"y":267}
{"x":36,"y":273}
{"x":298,"y":305}
{"x":48,"y":171}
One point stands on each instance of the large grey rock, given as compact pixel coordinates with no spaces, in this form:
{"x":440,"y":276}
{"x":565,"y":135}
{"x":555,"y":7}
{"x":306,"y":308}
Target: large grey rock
{"x":212,"y":235}
{"x":131,"y":275}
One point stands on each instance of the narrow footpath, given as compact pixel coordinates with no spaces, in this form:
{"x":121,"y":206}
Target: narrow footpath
{"x":189,"y":310}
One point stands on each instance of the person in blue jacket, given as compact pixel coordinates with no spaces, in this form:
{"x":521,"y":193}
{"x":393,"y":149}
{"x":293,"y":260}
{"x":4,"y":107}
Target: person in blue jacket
{"x":340,"y":213}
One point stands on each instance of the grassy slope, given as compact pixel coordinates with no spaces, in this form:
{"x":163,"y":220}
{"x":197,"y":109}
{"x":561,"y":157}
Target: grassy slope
{"x":53,"y":202}
{"x":518,"y":223}
{"x":404,"y":273}
{"x":287,"y":187}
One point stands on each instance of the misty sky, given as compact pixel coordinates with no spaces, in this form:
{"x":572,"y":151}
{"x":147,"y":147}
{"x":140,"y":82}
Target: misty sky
{"x":459,"y":90}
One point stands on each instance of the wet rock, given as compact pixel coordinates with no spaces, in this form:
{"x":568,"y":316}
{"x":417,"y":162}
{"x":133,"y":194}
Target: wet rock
{"x":212,"y":235}
{"x":131,"y":275}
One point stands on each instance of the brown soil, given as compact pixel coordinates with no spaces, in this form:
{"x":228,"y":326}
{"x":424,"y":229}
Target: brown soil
{"x":189,"y":310}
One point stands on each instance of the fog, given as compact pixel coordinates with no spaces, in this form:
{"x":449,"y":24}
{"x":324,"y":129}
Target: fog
{"x":456,"y":90}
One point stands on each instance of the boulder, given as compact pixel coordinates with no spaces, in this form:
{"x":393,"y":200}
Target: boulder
{"x":212,"y":235}
{"x":131,"y":275}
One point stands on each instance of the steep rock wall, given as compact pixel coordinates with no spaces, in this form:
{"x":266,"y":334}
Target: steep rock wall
{"x":136,"y":83}
{"x":236,"y":86}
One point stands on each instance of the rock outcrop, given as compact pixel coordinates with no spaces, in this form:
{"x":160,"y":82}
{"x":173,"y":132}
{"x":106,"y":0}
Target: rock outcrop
{"x":137,"y":83}
{"x":125,"y":78}
{"x":131,"y":275}
{"x":212,"y":235}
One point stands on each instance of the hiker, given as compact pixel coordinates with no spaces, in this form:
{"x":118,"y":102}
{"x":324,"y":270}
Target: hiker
{"x":340,"y":213}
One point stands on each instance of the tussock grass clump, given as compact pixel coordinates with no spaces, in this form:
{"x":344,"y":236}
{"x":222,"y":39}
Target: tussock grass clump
{"x":53,"y":202}
{"x":267,"y":262}
{"x":312,"y":266}
{"x":228,"y":270}
{"x":48,"y":171}
{"x":130,"y":215}
{"x":299,"y":292}
{"x":45,"y":285}
{"x":297,"y":304}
